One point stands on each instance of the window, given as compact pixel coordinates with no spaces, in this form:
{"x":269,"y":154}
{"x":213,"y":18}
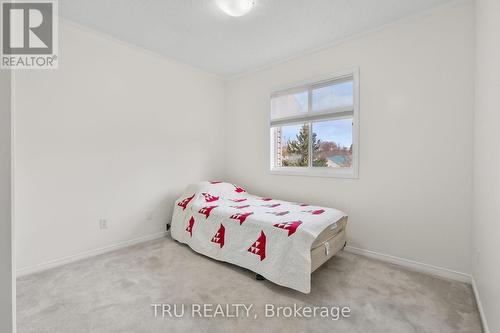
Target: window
{"x":314,"y":128}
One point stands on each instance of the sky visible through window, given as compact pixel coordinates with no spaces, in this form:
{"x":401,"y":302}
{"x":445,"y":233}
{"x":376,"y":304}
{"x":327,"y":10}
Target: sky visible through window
{"x":338,"y":131}
{"x":327,"y":109}
{"x":333,"y":96}
{"x":325,"y":98}
{"x":302,"y":100}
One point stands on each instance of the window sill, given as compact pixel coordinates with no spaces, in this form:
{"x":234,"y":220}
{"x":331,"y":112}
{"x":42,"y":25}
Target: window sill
{"x":313,"y":172}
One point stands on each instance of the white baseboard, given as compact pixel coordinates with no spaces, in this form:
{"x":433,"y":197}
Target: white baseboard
{"x":84,"y":255}
{"x":413,"y":265}
{"x":480,"y":306}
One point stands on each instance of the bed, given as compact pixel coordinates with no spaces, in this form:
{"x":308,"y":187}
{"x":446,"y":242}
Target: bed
{"x":281,"y":241}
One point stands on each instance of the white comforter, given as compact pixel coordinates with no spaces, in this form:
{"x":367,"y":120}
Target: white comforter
{"x":270,"y":237}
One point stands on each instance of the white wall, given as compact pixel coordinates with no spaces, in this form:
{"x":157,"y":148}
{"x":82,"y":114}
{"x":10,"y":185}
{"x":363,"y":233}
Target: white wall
{"x":413,"y":196}
{"x":114,"y":133}
{"x":5,"y":204}
{"x":486,"y":226}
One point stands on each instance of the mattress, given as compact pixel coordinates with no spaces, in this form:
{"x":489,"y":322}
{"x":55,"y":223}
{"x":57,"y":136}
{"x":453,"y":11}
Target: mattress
{"x":328,"y":243}
{"x":329,"y":232}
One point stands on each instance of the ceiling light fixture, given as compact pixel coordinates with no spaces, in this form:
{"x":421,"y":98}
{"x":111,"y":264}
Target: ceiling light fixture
{"x":235,"y":7}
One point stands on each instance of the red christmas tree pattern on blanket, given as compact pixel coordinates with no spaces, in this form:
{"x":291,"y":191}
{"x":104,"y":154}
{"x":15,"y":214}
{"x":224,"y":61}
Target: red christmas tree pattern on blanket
{"x":279,"y":213}
{"x":215,"y":182}
{"x":241,"y":217}
{"x":238,"y":189}
{"x":183,"y":203}
{"x":206,"y":210}
{"x":290,"y":226}
{"x":259,"y":246}
{"x":190,"y":226}
{"x":209,"y":197}
{"x":241,"y":207}
{"x":314,"y":211}
{"x":219,"y":236}
{"x":266,"y":199}
{"x":272,"y":205}
{"x":238,"y":200}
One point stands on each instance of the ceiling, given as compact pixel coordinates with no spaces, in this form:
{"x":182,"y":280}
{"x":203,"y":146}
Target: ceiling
{"x":196,"y":32}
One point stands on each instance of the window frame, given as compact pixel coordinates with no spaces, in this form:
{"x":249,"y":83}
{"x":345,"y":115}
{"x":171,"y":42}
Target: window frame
{"x":315,"y":116}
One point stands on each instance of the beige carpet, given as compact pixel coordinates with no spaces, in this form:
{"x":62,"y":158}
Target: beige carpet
{"x":114,"y":292}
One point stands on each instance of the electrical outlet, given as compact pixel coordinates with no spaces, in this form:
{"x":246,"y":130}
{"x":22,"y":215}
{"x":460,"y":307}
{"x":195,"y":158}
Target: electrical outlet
{"x":149,"y":215}
{"x":103,"y":224}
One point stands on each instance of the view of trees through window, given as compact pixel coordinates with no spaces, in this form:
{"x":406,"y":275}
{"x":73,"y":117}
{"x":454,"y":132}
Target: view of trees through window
{"x":313,"y":127}
{"x":331,"y":144}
